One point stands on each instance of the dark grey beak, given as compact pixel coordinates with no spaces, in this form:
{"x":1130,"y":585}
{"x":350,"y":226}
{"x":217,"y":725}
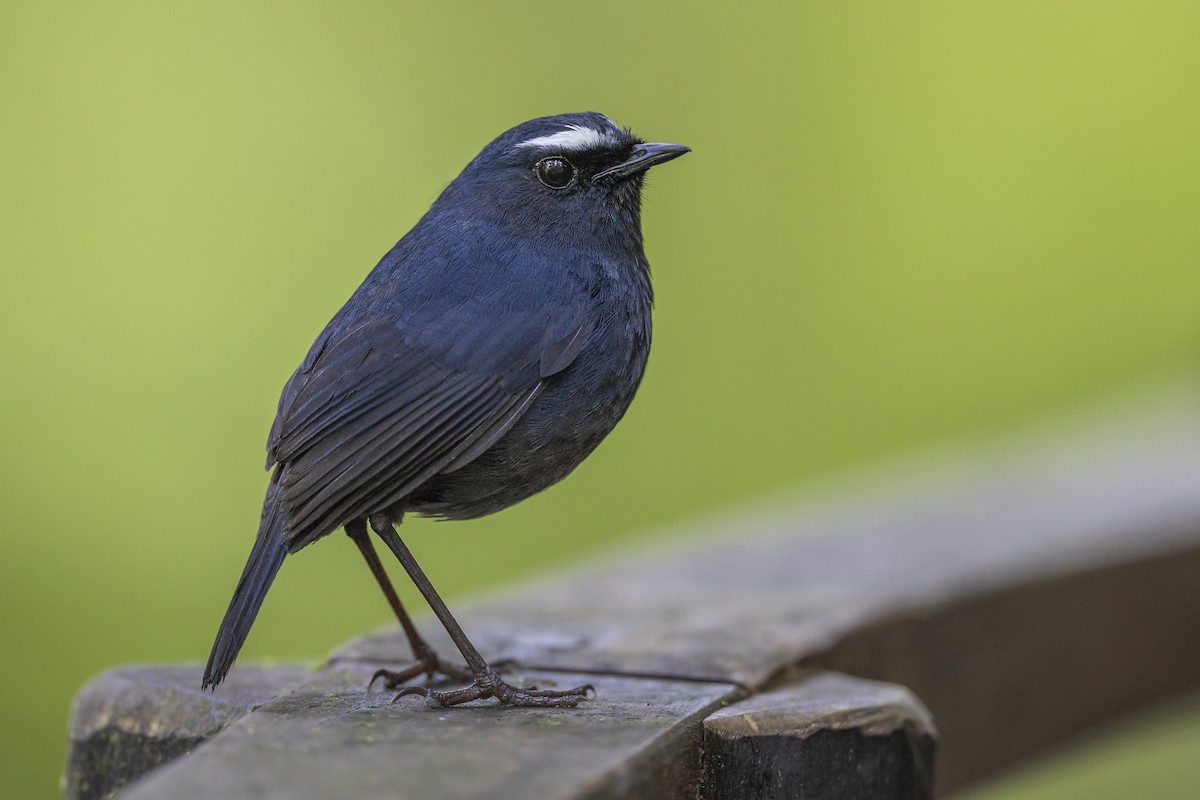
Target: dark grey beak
{"x":643,"y":157}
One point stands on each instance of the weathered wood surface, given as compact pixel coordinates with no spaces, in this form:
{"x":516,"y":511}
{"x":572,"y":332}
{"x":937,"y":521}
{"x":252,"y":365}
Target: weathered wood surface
{"x":829,"y":737}
{"x":129,"y":721}
{"x":331,"y":739}
{"x":1022,"y":590}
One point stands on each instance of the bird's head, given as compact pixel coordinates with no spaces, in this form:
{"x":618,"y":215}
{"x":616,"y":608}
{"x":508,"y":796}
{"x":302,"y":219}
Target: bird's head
{"x":568,"y":169}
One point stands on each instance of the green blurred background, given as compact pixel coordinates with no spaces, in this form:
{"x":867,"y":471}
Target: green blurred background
{"x":902,"y":223}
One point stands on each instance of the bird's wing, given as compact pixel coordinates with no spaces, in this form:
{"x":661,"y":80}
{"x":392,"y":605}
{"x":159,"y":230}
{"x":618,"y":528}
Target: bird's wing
{"x":375,"y":411}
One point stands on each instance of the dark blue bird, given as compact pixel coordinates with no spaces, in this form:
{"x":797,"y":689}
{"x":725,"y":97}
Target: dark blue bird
{"x":486,"y":355}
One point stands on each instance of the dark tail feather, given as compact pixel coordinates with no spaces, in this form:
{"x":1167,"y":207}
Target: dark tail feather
{"x":265,"y":560}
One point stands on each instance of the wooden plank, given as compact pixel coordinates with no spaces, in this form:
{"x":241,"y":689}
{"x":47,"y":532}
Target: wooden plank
{"x":828,"y":737}
{"x":1013,"y":670}
{"x":332,"y":739}
{"x":129,"y":721}
{"x":1001,"y":583}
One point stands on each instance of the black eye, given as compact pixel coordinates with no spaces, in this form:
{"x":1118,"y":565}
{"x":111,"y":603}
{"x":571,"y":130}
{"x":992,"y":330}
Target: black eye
{"x":555,"y":171}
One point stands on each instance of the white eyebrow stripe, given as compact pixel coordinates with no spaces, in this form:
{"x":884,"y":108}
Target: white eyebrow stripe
{"x":574,"y":138}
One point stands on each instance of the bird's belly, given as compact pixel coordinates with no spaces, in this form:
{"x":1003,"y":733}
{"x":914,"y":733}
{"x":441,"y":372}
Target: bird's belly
{"x":573,"y":414}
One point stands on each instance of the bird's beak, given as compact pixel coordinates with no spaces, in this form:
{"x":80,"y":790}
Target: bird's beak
{"x":643,"y":157}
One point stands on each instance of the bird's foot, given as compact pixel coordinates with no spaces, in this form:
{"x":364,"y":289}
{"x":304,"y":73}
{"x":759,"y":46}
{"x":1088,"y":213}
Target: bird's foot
{"x":488,"y":684}
{"x":427,"y":663}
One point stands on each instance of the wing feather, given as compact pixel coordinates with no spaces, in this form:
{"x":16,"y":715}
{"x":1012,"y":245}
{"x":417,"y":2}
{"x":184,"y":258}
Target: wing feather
{"x":377,"y":409}
{"x":373,"y":417}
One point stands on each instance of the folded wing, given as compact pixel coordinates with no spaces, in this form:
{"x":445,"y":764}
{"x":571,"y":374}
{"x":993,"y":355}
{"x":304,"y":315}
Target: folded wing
{"x":376,"y":411}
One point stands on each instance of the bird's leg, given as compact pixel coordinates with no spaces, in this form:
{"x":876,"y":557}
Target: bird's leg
{"x":486,"y":682}
{"x":426,"y":660}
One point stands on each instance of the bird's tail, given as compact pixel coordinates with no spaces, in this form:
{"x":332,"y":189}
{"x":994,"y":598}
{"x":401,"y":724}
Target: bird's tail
{"x":265,"y":560}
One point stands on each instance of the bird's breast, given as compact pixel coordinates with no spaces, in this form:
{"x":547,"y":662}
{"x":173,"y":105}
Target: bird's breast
{"x":575,"y":410}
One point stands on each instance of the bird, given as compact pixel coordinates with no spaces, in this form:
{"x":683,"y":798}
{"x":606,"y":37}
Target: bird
{"x":484,"y":357}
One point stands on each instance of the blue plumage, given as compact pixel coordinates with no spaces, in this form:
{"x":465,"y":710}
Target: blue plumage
{"x":485,"y":356}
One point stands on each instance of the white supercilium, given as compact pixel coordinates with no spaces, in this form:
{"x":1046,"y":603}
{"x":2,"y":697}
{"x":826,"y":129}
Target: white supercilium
{"x":574,"y":138}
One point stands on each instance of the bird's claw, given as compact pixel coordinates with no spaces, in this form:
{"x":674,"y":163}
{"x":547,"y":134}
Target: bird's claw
{"x":394,"y":678}
{"x":428,"y":664}
{"x":411,"y":690}
{"x":488,"y":684}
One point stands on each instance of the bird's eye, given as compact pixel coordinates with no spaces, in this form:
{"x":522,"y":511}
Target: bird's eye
{"x":555,"y":172}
